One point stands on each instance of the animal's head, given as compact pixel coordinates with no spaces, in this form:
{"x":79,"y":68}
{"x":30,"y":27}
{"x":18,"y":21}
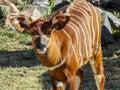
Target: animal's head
{"x":39,"y":29}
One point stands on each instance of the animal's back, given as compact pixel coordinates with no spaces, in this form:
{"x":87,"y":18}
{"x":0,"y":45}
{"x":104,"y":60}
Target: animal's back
{"x":83,"y":29}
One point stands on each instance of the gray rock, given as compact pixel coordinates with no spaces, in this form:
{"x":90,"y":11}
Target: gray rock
{"x":58,"y":1}
{"x":109,"y":20}
{"x":44,"y":5}
{"x":41,"y":5}
{"x":107,"y":1}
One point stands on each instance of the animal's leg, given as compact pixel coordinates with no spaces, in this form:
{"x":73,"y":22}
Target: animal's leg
{"x":79,"y":79}
{"x":98,"y":70}
{"x":57,"y":85}
{"x":71,"y":83}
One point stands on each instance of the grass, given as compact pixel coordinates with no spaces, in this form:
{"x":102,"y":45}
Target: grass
{"x":15,"y":78}
{"x":12,"y":39}
{"x":20,"y":69}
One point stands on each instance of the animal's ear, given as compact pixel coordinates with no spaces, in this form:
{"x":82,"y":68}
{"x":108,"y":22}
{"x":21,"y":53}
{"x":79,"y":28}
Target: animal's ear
{"x":60,"y":20}
{"x":20,"y":22}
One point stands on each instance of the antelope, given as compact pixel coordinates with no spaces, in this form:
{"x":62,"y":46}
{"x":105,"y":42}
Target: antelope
{"x":67,"y":42}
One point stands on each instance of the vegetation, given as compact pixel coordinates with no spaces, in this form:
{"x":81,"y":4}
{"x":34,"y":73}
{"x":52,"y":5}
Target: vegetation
{"x":3,"y":13}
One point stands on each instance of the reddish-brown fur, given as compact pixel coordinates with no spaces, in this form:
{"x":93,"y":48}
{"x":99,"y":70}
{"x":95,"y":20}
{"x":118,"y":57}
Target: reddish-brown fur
{"x":61,"y":46}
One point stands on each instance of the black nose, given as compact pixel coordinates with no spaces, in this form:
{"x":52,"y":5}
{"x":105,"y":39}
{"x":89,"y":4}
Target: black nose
{"x":41,"y":46}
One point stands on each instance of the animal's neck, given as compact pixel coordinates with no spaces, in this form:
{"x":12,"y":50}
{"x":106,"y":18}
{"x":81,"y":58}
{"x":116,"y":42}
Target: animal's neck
{"x":53,"y":54}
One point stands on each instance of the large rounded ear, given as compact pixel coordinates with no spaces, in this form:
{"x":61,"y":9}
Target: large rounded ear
{"x":20,"y":22}
{"x":60,"y":20}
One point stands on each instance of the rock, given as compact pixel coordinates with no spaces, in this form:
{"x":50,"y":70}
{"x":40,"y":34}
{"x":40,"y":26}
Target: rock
{"x":108,"y":21}
{"x":36,"y":14}
{"x":58,"y":1}
{"x":33,"y":13}
{"x":61,"y":5}
{"x":107,"y":1}
{"x":41,"y":5}
{"x":44,"y":5}
{"x":106,"y":37}
{"x":111,"y":4}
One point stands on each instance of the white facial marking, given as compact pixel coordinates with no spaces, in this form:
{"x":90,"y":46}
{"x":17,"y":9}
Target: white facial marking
{"x":37,"y":36}
{"x":41,"y":52}
{"x":45,"y":49}
{"x":54,"y":20}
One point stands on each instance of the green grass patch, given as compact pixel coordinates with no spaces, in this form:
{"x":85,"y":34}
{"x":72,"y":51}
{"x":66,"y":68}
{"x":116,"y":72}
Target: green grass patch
{"x":9,"y":39}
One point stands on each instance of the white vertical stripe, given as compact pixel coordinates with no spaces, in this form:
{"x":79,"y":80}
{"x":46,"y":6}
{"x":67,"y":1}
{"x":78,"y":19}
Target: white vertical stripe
{"x":98,"y":31}
{"x":92,"y":30}
{"x":89,"y":8}
{"x":91,"y":16}
{"x":74,"y":28}
{"x":71,"y":43}
{"x":87,"y":16}
{"x":78,"y":42}
{"x":78,"y":32}
{"x":79,"y":19}
{"x":88,"y":31}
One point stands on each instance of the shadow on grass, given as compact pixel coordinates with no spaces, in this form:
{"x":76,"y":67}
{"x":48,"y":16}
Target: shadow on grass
{"x":19,"y":58}
{"x":112,"y":72}
{"x":45,"y":81}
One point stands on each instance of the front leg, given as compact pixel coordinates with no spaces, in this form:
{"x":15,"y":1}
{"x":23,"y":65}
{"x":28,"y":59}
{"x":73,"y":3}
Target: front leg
{"x":79,"y":76}
{"x":57,"y":85}
{"x":70,"y":85}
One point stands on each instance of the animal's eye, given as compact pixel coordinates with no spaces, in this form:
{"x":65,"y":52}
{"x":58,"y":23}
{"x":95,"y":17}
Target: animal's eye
{"x":32,"y":33}
{"x":48,"y":33}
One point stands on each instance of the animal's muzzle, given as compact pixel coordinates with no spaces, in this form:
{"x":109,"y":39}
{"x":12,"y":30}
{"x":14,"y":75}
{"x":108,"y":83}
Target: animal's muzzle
{"x":41,"y":46}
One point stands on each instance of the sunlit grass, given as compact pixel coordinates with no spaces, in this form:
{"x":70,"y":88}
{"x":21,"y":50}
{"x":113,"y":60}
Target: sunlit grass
{"x":20,"y":78}
{"x":9,"y":39}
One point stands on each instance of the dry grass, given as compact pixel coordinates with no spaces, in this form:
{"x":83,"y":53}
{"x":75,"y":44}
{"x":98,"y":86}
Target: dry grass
{"x":20,"y":70}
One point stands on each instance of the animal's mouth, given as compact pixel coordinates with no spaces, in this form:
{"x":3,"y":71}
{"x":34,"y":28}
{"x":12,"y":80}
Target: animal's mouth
{"x":41,"y":44}
{"x":43,"y":51}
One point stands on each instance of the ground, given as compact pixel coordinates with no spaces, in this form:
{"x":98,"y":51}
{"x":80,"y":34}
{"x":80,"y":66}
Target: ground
{"x":20,"y":69}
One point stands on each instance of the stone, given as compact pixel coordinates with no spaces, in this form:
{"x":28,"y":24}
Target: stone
{"x":109,"y":21}
{"x":33,"y":14}
{"x":41,"y":5}
{"x":58,"y":1}
{"x":111,"y":4}
{"x":44,"y":5}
